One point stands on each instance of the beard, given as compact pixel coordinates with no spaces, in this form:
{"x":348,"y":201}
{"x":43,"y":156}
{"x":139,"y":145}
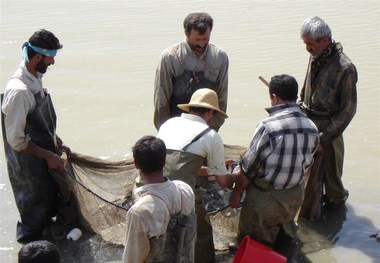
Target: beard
{"x":197,"y":48}
{"x":41,"y":66}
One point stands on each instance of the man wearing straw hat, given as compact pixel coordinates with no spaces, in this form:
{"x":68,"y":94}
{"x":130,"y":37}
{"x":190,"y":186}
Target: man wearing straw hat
{"x":272,"y":171}
{"x":189,"y":141}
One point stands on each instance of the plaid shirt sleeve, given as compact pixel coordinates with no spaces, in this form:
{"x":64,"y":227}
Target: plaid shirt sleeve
{"x":259,"y":146}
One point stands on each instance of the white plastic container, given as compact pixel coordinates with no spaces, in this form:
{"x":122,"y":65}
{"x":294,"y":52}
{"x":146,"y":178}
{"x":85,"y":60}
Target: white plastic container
{"x":74,"y":234}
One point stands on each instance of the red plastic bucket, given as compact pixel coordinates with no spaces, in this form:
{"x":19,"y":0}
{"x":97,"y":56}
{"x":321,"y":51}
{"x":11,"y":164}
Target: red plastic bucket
{"x":251,"y":251}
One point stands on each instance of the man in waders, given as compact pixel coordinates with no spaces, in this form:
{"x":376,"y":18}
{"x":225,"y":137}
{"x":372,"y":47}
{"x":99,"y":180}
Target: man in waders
{"x":272,"y":171}
{"x":329,"y":99}
{"x":161,"y":225}
{"x":32,"y":148}
{"x":192,"y":64}
{"x":189,"y":141}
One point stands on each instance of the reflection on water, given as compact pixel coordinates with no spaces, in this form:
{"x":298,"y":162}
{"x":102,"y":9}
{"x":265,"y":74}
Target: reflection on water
{"x":323,"y":234}
{"x":102,"y":87}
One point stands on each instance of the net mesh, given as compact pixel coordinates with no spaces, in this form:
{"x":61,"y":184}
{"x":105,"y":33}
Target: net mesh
{"x":103,"y":191}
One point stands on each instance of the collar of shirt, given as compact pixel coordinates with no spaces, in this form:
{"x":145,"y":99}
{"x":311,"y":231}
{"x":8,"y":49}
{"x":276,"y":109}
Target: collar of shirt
{"x":140,"y":191}
{"x":188,"y":48}
{"x":281,"y":107}
{"x":193,"y":117}
{"x":30,"y":75}
{"x":329,"y":52}
{"x":33,"y":83}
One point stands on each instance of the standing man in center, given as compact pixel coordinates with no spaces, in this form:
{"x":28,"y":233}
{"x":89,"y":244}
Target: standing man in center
{"x":192,"y":64}
{"x":189,"y":141}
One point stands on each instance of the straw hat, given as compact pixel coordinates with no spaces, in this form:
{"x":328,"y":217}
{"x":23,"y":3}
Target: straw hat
{"x":203,"y":98}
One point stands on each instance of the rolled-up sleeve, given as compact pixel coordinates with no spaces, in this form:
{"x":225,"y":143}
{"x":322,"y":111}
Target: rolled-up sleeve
{"x":215,"y":158}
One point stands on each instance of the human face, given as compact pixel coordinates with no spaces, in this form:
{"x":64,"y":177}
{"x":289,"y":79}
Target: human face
{"x":316,"y":47}
{"x":209,"y":116}
{"x":197,"y":42}
{"x":44,"y":63}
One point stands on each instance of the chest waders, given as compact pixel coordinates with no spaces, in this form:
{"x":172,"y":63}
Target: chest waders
{"x":184,"y":166}
{"x":34,"y":189}
{"x":184,"y":86}
{"x":329,"y":170}
{"x":177,"y":244}
{"x":266,"y":212}
{"x":322,"y":100}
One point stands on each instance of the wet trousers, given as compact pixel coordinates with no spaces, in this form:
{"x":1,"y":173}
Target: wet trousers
{"x":265,"y":213}
{"x":204,"y":244}
{"x":325,"y":175}
{"x":332,"y":168}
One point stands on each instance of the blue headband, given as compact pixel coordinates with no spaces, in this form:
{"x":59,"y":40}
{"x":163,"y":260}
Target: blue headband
{"x":42,"y":51}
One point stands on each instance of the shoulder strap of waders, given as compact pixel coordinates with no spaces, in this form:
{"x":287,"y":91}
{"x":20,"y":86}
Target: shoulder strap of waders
{"x":196,"y":138}
{"x":152,"y":194}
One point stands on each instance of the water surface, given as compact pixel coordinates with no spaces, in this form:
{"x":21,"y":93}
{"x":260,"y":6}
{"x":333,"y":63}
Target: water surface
{"x":102,"y":86}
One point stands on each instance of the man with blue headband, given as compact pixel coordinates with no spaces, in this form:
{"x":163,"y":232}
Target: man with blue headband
{"x":32,"y":147}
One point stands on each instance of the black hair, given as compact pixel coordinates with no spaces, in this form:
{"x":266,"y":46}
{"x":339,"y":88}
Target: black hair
{"x":284,"y":86}
{"x":199,"y":22}
{"x":43,"y":39}
{"x":40,"y":251}
{"x":149,"y":153}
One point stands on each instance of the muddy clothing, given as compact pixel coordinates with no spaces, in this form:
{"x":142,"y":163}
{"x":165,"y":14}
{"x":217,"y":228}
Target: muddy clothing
{"x":275,"y":163}
{"x":264,"y":214}
{"x":312,"y":203}
{"x":329,"y":98}
{"x":161,"y":224}
{"x":180,"y":72}
{"x":29,"y":115}
{"x":184,"y":165}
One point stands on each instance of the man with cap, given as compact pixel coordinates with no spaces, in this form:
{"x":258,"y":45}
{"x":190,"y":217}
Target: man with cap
{"x":272,"y":170}
{"x":189,"y":141}
{"x":32,"y":147}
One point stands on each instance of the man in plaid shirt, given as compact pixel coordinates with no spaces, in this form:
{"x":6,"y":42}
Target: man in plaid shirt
{"x":272,"y":171}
